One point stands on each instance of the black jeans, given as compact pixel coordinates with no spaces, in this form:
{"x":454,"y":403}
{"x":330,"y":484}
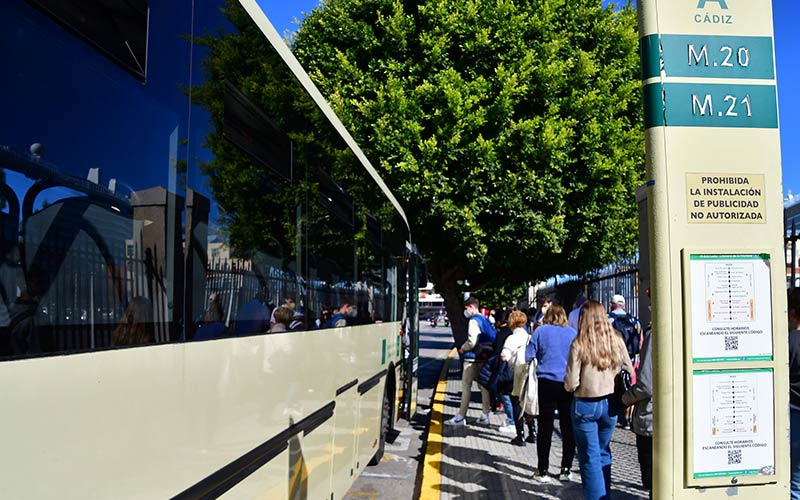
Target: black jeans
{"x":644,"y":445}
{"x":552,"y":395}
{"x":518,"y":420}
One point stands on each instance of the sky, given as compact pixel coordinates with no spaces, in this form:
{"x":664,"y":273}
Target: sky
{"x":787,"y":56}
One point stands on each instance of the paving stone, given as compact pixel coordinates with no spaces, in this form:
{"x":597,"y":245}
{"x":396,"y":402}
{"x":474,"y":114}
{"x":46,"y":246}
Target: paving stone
{"x":478,"y":462}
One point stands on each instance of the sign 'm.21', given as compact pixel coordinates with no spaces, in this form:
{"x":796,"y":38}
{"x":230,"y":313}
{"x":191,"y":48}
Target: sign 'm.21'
{"x":703,"y":105}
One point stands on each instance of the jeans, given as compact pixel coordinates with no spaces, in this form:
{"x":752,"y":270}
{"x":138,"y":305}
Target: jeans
{"x":469,"y":373}
{"x":552,"y":395}
{"x":508,"y":407}
{"x":594,"y":424}
{"x":794,"y":452}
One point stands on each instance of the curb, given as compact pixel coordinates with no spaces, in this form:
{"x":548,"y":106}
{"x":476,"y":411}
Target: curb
{"x":431,"y":467}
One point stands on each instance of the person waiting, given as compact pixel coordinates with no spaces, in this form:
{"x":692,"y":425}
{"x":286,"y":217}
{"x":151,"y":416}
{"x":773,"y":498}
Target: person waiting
{"x":794,"y":391}
{"x":595,"y":357}
{"x":549,"y":347}
{"x":283,"y":316}
{"x":213,"y":326}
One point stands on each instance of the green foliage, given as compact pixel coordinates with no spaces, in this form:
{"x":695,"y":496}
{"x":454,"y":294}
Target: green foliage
{"x":511,"y":131}
{"x":500,"y":296}
{"x":261,"y":213}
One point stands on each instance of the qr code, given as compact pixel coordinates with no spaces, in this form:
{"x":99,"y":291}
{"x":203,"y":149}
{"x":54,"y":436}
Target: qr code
{"x":731,"y":343}
{"x":734,"y":457}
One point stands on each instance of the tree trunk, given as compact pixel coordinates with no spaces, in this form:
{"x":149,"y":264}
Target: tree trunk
{"x":454,"y":305}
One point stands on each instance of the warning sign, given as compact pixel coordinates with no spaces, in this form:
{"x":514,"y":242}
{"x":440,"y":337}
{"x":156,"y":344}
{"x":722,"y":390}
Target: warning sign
{"x":725,"y":199}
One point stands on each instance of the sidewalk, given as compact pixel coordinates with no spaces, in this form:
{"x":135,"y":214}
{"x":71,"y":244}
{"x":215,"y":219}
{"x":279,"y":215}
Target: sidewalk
{"x":477,"y":462}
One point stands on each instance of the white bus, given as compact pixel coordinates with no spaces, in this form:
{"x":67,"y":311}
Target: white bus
{"x":204,"y":284}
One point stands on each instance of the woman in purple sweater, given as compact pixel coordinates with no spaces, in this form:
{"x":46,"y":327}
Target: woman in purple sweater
{"x":549,"y":346}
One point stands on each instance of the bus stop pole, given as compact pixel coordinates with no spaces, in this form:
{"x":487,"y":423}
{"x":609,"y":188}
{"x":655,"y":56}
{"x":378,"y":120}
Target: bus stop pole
{"x":717,"y":262}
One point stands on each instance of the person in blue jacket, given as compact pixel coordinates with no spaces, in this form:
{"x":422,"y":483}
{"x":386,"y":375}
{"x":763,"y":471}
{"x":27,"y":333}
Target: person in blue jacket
{"x":549,"y":346}
{"x":480,"y":335}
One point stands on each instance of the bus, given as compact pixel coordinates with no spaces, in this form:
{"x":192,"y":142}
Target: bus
{"x":206,"y":288}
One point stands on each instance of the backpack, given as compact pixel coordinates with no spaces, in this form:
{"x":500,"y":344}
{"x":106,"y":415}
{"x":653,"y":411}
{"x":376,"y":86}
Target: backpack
{"x":626,"y":326}
{"x":496,"y":376}
{"x":484,"y":348}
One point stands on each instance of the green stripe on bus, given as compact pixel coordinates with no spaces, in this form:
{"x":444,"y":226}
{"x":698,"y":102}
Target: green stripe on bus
{"x":710,"y":105}
{"x":708,"y":56}
{"x":383,"y":352}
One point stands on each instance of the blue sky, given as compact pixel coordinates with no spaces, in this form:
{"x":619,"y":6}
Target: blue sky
{"x":787,"y":48}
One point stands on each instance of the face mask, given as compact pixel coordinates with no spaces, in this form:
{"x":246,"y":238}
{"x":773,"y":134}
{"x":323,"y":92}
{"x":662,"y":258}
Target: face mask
{"x":351,"y":313}
{"x":467,"y":314}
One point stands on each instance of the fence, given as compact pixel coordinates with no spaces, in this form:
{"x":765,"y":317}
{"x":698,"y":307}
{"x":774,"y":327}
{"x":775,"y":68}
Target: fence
{"x":620,"y":278}
{"x":791,"y":243}
{"x":623,"y":277}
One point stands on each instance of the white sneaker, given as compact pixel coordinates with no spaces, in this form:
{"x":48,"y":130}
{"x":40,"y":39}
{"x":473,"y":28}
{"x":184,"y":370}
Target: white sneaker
{"x":456,"y":420}
{"x":508,"y":429}
{"x":565,"y":475}
{"x":483,"y":419}
{"x":542,"y":477}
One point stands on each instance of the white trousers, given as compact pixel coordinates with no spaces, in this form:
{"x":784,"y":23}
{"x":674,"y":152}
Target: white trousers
{"x":469,"y":373}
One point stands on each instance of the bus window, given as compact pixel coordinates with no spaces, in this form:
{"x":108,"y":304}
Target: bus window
{"x":182,"y":192}
{"x":91,"y":176}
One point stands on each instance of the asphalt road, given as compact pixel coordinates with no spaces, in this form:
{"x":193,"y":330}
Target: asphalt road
{"x":396,"y":477}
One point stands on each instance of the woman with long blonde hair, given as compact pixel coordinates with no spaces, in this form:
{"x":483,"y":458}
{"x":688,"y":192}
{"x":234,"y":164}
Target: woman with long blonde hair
{"x":136,"y":327}
{"x":595,"y":358}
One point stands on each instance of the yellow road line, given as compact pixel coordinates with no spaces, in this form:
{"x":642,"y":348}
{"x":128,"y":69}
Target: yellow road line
{"x":432,"y":468}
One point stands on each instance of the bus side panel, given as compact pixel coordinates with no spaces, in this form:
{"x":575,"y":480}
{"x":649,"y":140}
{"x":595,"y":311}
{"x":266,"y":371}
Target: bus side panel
{"x":310,"y":463}
{"x":369,"y":421}
{"x":344,"y":442}
{"x":181,"y":412}
{"x":266,"y":483}
{"x":303,"y":470}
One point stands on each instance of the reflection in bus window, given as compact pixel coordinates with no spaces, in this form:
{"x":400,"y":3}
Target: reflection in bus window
{"x":186,"y":199}
{"x":136,"y":324}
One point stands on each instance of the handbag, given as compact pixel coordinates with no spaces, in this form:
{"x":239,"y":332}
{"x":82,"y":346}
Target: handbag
{"x":622,"y":384}
{"x":529,"y":393}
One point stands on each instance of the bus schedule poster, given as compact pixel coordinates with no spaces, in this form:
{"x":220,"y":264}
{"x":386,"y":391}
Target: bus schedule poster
{"x":733,"y":423}
{"x":731,"y":308}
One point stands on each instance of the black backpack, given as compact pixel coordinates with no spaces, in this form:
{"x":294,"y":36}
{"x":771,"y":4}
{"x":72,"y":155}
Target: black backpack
{"x":626,"y":326}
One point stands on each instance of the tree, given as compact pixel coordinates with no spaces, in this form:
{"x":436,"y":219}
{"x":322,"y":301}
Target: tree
{"x":510,"y":130}
{"x":258,"y":209}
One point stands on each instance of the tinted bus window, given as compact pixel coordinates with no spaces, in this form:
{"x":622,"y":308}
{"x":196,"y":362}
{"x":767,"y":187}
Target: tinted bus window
{"x":166,"y":178}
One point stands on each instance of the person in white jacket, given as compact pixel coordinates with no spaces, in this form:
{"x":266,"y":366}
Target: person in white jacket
{"x":514,"y":353}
